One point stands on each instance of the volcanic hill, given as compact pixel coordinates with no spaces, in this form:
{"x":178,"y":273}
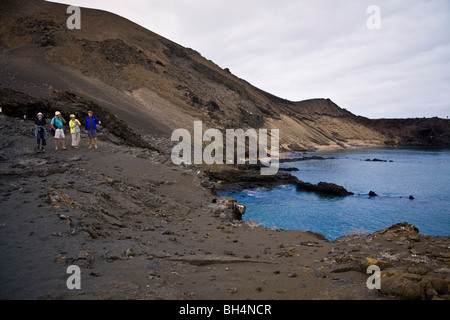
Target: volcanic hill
{"x":152,"y":83}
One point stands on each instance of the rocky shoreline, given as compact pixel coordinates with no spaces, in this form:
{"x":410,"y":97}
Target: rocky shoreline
{"x":248,"y":176}
{"x":141,"y":228}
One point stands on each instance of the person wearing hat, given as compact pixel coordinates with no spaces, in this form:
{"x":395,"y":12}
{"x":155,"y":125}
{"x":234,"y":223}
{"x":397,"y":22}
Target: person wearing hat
{"x":75,"y":131}
{"x":40,"y":131}
{"x":91,"y":129}
{"x":57,"y":125}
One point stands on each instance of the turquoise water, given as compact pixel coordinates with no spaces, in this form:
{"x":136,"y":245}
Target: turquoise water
{"x":423,"y":173}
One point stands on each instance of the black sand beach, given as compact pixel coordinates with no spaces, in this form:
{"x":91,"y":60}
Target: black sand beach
{"x":141,"y":228}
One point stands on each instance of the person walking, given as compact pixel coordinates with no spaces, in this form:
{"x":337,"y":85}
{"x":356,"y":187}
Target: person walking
{"x":40,"y":131}
{"x":75,"y":131}
{"x":91,"y":129}
{"x":57,"y":125}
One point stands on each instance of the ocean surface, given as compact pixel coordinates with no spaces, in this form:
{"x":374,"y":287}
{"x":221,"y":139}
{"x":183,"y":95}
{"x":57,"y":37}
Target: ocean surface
{"x":421,"y":172}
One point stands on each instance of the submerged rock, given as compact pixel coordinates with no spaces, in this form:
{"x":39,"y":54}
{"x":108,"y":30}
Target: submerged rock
{"x":377,"y":160}
{"x":303,"y":158}
{"x":291,"y":169}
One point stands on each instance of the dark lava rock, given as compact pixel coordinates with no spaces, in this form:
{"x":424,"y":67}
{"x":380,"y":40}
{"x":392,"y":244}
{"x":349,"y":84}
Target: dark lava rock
{"x":289,"y":169}
{"x":253,"y":179}
{"x":304,"y":158}
{"x":400,"y":229}
{"x":249,"y":178}
{"x":376,"y":160}
{"x":324,"y":188}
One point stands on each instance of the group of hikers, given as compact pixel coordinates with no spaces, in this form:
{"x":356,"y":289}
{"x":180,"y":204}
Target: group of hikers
{"x":57,"y":129}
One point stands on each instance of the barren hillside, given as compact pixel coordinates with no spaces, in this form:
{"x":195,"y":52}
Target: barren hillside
{"x":155,"y":85}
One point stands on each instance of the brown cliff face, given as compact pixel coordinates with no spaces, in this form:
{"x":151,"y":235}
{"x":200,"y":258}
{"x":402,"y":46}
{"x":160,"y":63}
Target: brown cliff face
{"x":414,"y":132}
{"x":154,"y":84}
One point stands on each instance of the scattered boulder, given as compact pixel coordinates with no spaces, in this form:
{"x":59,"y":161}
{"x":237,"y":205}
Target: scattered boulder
{"x":85,"y":259}
{"x":413,"y":266}
{"x":397,"y":283}
{"x":403,"y":229}
{"x":239,"y":210}
{"x":367,"y":262}
{"x":404,"y":284}
{"x":228,"y":208}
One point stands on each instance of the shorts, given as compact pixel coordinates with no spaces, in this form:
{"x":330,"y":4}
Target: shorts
{"x":92,"y":134}
{"x":59,"y":134}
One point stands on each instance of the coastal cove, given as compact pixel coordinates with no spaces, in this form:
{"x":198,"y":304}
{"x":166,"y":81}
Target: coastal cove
{"x":179,"y":203}
{"x":393,"y":174}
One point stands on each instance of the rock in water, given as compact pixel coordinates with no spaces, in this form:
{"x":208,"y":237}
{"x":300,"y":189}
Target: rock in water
{"x":324,"y":188}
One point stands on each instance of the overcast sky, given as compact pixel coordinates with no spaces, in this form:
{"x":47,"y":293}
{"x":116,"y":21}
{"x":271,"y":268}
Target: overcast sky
{"x":306,"y":49}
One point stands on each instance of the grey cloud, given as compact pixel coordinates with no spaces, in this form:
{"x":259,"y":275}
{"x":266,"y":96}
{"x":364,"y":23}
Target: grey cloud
{"x":305,"y":49}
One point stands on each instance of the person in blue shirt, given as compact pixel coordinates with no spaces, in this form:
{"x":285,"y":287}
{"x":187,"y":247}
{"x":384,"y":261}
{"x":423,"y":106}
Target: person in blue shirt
{"x":91,"y":129}
{"x":57,"y":125}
